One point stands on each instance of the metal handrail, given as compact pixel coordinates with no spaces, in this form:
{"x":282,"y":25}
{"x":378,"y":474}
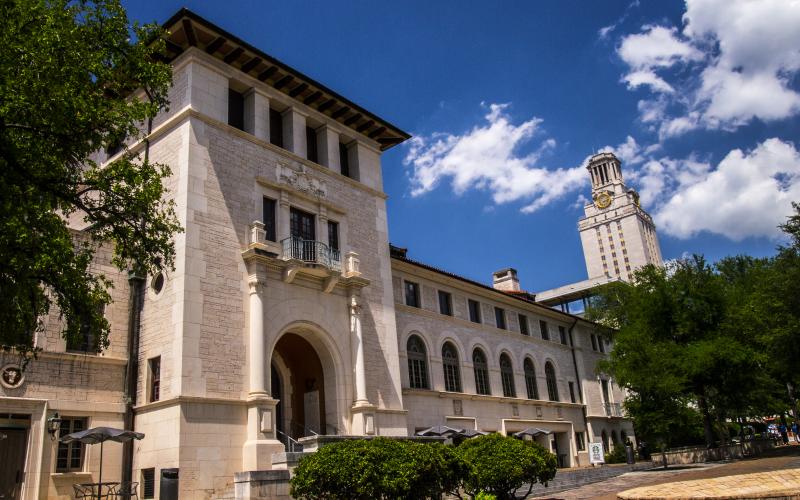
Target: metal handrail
{"x":291,"y":445}
{"x":613,"y":409}
{"x":311,"y":252}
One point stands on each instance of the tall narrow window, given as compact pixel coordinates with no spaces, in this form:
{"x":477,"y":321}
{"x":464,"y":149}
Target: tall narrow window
{"x":552,"y":385}
{"x":594,"y":342}
{"x":417,"y":363}
{"x":445,"y":303}
{"x":601,"y":343}
{"x":580,"y":441}
{"x":604,"y":387}
{"x":275,"y":127}
{"x":481,"y":370}
{"x":333,"y":235}
{"x":412,"y":294}
{"x":269,"y":219}
{"x":155,"y":379}
{"x":235,"y":109}
{"x":69,"y":457}
{"x":148,"y":483}
{"x":474,"y":310}
{"x":507,"y":376}
{"x":562,"y":332}
{"x":344,"y":160}
{"x":523,"y":325}
{"x":450,"y":364}
{"x":572,"y":392}
{"x":301,"y":225}
{"x":530,"y":379}
{"x":311,"y":144}
{"x":500,"y":318}
{"x":543,"y":328}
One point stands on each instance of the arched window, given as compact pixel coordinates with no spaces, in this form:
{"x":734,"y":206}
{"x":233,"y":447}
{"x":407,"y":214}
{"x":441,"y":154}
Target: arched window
{"x":530,"y":379}
{"x":552,"y":386}
{"x":481,"y":372}
{"x":417,"y":363}
{"x":507,"y":376}
{"x":614,"y":438}
{"x":450,"y":362}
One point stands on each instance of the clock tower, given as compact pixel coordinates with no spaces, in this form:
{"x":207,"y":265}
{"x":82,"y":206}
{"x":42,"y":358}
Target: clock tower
{"x":618,"y":236}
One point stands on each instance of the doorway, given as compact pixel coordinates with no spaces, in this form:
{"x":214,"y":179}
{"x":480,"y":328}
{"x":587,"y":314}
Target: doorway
{"x":301,"y":387}
{"x":13,"y":447}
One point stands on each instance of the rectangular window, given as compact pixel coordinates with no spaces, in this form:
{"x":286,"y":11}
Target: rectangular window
{"x":344,"y":160}
{"x":311,"y":144}
{"x":148,"y":483}
{"x":572,"y":392}
{"x":235,"y":109}
{"x":580,"y":441}
{"x":333,"y":235}
{"x":269,"y":219}
{"x":601,"y":343}
{"x":412,"y":294}
{"x":604,"y":387}
{"x":474,"y":310}
{"x":500,"y":318}
{"x":562,"y":332}
{"x":69,"y":457}
{"x":275,"y":127}
{"x":523,"y":325}
{"x":301,"y":225}
{"x":594,"y":342}
{"x":543,"y":328}
{"x":155,"y":379}
{"x":445,"y":303}
{"x":85,"y":342}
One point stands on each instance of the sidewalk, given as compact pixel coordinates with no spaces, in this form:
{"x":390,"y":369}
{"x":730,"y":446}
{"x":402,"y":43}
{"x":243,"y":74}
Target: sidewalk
{"x":778,"y":459}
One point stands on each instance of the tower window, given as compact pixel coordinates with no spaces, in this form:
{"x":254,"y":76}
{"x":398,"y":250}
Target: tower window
{"x":235,"y":109}
{"x":445,"y":303}
{"x":474,"y":311}
{"x":275,"y":128}
{"x":344,"y":160}
{"x":523,"y":325}
{"x":543,"y":328}
{"x":311,"y":144}
{"x":412,"y":294}
{"x":500,"y":318}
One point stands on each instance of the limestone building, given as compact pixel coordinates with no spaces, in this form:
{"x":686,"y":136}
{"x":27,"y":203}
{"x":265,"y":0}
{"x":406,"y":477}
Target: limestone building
{"x":288,"y":314}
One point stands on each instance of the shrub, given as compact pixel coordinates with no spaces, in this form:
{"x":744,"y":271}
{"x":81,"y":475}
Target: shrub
{"x":616,"y":455}
{"x":500,"y":465}
{"x":378,"y":468}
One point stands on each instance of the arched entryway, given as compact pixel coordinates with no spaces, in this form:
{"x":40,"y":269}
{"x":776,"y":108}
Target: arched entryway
{"x":298,"y":381}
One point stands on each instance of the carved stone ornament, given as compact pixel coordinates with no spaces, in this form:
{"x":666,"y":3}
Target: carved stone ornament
{"x":11,"y":376}
{"x":300,"y":179}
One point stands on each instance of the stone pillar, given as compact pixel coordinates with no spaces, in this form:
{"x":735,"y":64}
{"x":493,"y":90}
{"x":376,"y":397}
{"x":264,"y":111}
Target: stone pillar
{"x":322,"y":224}
{"x":328,"y":148}
{"x":294,"y":132}
{"x":356,"y":335}
{"x":261,"y":440}
{"x":284,"y":217}
{"x":256,"y":114}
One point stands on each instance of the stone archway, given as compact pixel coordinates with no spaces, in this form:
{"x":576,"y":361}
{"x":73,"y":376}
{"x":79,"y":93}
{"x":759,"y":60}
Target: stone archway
{"x":302,"y":385}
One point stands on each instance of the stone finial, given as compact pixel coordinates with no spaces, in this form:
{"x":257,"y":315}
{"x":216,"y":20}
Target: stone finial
{"x":352,"y":264}
{"x":257,"y":232}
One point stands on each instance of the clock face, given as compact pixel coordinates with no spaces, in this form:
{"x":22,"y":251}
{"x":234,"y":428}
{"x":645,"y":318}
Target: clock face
{"x":603,"y":200}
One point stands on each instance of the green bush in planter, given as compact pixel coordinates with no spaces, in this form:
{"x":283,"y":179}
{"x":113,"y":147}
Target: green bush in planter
{"x":616,"y":455}
{"x":501,"y":465}
{"x":378,"y":469}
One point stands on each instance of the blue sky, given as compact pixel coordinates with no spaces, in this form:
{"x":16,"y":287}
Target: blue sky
{"x":506,"y":101}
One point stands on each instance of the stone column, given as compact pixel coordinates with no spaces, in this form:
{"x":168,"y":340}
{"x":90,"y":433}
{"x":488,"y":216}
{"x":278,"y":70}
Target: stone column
{"x":363,"y":413}
{"x":294,"y":132}
{"x":284,"y":217}
{"x":322,"y":224}
{"x":328,"y":147}
{"x":261,"y":440}
{"x":256,"y":114}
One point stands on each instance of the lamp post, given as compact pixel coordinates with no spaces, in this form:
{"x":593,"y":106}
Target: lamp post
{"x":53,"y":425}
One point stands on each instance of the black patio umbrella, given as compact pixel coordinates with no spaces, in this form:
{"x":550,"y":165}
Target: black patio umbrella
{"x":471,"y":433}
{"x":440,"y":430}
{"x":101,"y":435}
{"x":532,"y":432}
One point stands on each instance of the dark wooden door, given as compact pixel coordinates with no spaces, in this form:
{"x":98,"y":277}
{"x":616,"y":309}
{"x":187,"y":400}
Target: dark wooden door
{"x":13,"y":444}
{"x":302,"y":225}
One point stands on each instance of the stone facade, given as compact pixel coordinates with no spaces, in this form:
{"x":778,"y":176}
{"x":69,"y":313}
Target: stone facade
{"x":285,"y":314}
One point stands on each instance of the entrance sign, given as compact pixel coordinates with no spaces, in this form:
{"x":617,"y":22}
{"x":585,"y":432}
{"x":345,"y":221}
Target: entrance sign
{"x":596,"y":455}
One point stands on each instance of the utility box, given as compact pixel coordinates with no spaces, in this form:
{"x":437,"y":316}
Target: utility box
{"x":169,"y":484}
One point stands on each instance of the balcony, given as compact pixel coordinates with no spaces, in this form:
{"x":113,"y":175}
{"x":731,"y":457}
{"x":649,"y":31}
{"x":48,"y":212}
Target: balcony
{"x":311,"y":252}
{"x":613,"y":409}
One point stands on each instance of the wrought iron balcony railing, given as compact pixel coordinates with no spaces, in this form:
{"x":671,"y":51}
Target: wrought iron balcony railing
{"x":613,"y":409}
{"x":311,"y":252}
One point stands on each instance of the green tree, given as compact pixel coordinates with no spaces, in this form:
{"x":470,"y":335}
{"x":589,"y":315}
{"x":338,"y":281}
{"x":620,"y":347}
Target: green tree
{"x":77,"y":77}
{"x":501,"y":465}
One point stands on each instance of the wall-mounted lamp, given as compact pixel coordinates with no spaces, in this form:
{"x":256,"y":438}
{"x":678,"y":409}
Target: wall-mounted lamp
{"x":53,"y":425}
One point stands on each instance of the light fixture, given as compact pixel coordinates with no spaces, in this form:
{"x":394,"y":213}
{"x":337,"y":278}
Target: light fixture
{"x":53,"y":425}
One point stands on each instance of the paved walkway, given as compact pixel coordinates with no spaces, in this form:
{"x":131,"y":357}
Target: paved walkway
{"x":775,"y":484}
{"x":783,"y":458}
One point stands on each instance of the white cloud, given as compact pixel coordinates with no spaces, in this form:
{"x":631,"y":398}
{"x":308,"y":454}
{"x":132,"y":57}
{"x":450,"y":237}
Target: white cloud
{"x":748,"y":194}
{"x":629,"y":152}
{"x":487,"y":157}
{"x":745,"y":57}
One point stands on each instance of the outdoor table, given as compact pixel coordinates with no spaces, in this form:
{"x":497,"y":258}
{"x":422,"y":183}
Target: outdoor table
{"x":95,"y":490}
